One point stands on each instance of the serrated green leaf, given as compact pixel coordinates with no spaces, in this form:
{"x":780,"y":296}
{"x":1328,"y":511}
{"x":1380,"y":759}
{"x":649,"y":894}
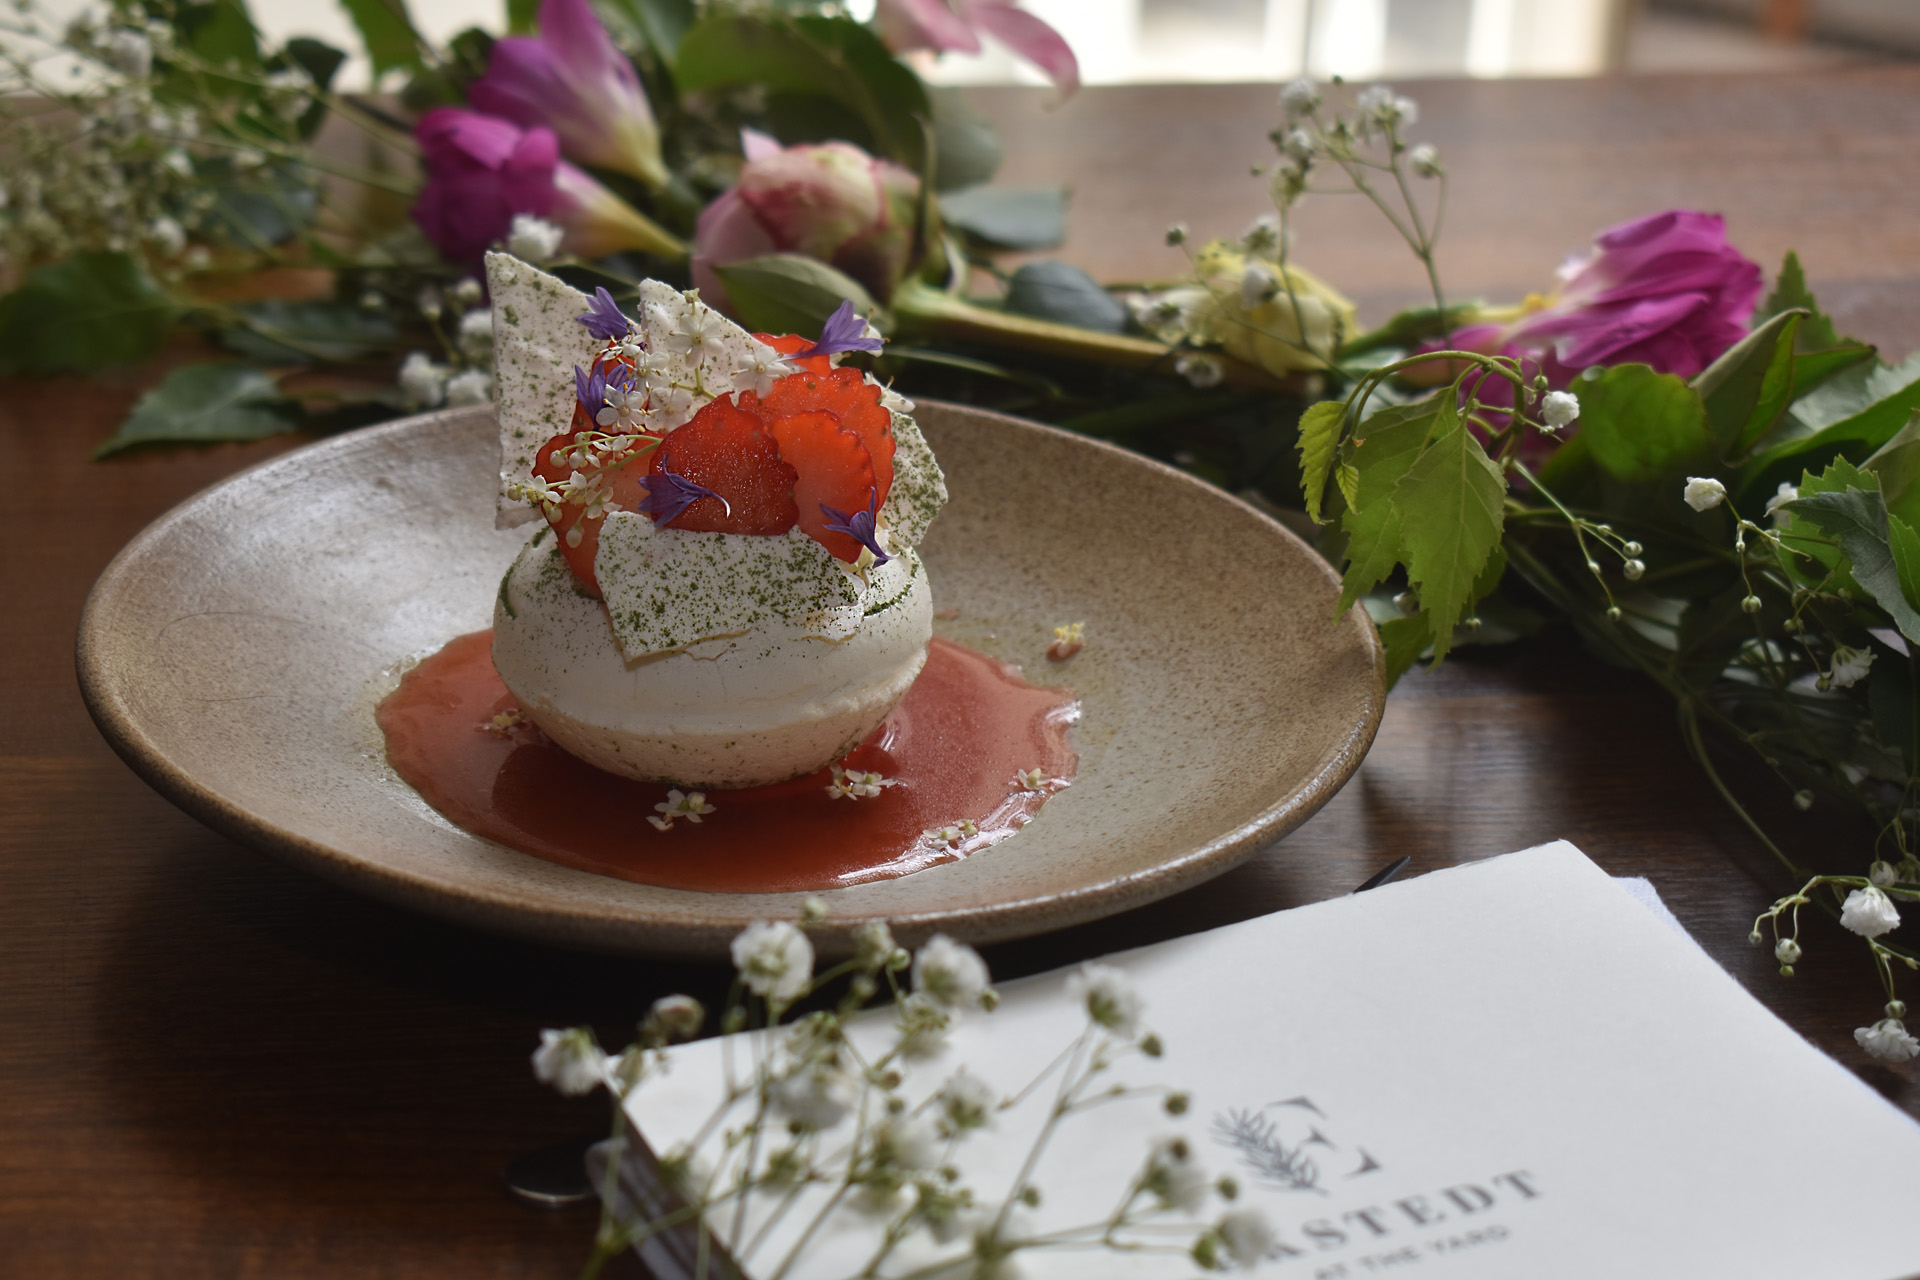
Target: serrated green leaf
{"x":1385,"y":446}
{"x":281,"y":332}
{"x":1854,"y":436}
{"x":75,"y":316}
{"x":1748,"y":387}
{"x":792,"y":293}
{"x":205,"y":403}
{"x":835,"y":59}
{"x":1026,"y":218}
{"x":1319,"y":435}
{"x":387,"y":31}
{"x":1450,"y":508}
{"x":1789,"y":292}
{"x":1641,"y":426}
{"x":1897,"y":463}
{"x":1404,"y":640}
{"x":1905,"y":545}
{"x":1857,"y":520}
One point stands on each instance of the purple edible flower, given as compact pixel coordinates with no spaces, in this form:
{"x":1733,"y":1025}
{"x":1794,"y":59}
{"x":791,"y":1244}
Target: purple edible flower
{"x":604,"y":319}
{"x":844,"y":331}
{"x":591,"y":386}
{"x":668,"y":495}
{"x":859,"y":526}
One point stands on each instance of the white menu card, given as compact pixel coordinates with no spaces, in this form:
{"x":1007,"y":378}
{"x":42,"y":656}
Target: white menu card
{"x":1509,"y":1070}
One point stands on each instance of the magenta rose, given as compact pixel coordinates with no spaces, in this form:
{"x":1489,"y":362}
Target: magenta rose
{"x":572,"y":80}
{"x":1666,"y":290}
{"x":957,"y":25}
{"x":830,"y":201}
{"x":482,"y":171}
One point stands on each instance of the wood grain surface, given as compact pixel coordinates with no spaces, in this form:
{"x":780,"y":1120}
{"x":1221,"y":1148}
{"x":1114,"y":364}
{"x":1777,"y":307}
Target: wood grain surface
{"x":215,"y":1066}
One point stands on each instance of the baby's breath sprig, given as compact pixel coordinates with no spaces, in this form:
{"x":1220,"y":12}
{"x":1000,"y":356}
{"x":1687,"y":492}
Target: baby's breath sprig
{"x":826,"y":1118}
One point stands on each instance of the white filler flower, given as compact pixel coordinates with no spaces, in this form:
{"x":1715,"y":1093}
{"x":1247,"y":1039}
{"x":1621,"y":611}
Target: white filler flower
{"x":1558,"y":408}
{"x":1888,"y":1041}
{"x":570,"y":1061}
{"x":1247,"y":1236}
{"x":1704,"y":493}
{"x":1850,"y":666}
{"x":1174,"y":1177}
{"x":534,"y":239}
{"x":1869,"y":913}
{"x":1110,"y":998}
{"x":951,"y":972}
{"x":775,"y":960}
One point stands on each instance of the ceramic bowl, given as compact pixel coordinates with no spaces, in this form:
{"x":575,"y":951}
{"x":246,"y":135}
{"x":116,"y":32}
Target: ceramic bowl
{"x":233,"y":654}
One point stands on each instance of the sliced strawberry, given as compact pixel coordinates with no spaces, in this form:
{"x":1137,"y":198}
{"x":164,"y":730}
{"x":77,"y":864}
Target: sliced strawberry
{"x":835,"y":468}
{"x":854,"y":403}
{"x":727,"y":450}
{"x":626,"y":495}
{"x":788,"y":343}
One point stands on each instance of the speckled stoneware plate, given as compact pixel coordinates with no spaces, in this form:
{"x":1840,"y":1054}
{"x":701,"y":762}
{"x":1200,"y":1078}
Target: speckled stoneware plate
{"x":233,"y":654}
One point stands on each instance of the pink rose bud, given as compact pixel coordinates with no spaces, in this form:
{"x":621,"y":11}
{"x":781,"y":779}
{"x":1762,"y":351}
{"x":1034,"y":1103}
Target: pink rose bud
{"x":572,"y":80}
{"x":830,"y":201}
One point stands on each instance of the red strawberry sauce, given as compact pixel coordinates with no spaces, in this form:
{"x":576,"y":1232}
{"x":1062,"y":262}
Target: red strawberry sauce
{"x":954,"y":744}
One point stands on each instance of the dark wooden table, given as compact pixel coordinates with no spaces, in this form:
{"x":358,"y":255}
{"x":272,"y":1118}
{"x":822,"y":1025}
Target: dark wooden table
{"x":214,"y":1066}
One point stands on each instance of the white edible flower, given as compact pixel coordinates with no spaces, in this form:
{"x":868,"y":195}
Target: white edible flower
{"x":534,"y":239}
{"x":775,"y":960}
{"x":1888,"y":1041}
{"x":693,"y":330}
{"x":966,"y":1102}
{"x":954,"y":834}
{"x":1850,"y":666}
{"x":1108,"y":995}
{"x":817,"y":1097}
{"x":571,"y":1061}
{"x":1247,"y":1237}
{"x":765,"y":366}
{"x":1424,"y":160}
{"x":1558,"y":408}
{"x":1258,"y":284}
{"x":625,"y":407}
{"x":476,"y":333}
{"x":1299,"y":97}
{"x":951,"y":972}
{"x":681,"y":804}
{"x":423,"y":384}
{"x":1174,"y":1177}
{"x":474,"y":386}
{"x":1199,"y":370}
{"x":1030,"y":780}
{"x":1782,"y":496}
{"x":1869,"y":913}
{"x":854,"y":784}
{"x":1704,"y":493}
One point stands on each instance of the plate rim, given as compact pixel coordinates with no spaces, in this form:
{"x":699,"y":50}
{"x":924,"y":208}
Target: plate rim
{"x":624,"y":932}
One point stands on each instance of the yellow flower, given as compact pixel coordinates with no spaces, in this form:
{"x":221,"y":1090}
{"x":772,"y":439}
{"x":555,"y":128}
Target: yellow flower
{"x":1282,"y":319}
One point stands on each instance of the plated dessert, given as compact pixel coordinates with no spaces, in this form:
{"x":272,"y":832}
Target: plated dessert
{"x":722,"y":632}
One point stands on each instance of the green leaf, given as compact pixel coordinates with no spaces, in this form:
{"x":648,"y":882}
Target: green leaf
{"x":1450,"y":504}
{"x":306,"y":332}
{"x":1404,"y":640}
{"x":1384,"y":447}
{"x":522,"y":16}
{"x":966,"y":146}
{"x":204,"y":403}
{"x":1319,"y":436}
{"x":1855,"y":436}
{"x":792,"y":293}
{"x":1009,"y":217}
{"x":91,"y":310}
{"x":221,"y":32}
{"x":1790,"y":292}
{"x":1748,"y":387}
{"x":1905,"y":545}
{"x":1065,"y":294}
{"x":835,"y":59}
{"x":1639,"y":425}
{"x":661,"y":23}
{"x":1897,"y":463}
{"x":321,"y":62}
{"x":388,"y":33}
{"x":1857,"y":520}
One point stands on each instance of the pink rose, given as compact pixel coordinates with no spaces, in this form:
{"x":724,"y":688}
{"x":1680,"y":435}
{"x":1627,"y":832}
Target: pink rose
{"x":1665,"y":290}
{"x":957,"y":24}
{"x":481,"y":171}
{"x":830,"y":201}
